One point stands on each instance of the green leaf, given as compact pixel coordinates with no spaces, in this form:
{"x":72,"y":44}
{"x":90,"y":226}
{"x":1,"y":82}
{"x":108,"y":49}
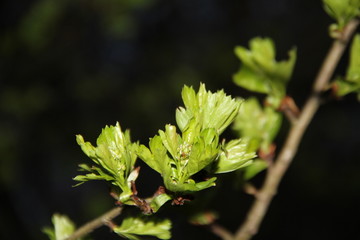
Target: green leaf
{"x":63,"y":227}
{"x":344,"y":87}
{"x":203,"y":151}
{"x":353,"y":71}
{"x":134,"y":228}
{"x":260,"y":72}
{"x":351,"y":83}
{"x":251,"y":81}
{"x":177,"y":157}
{"x":170,"y":139}
{"x":256,"y":167}
{"x":234,"y":155}
{"x":114,"y":158}
{"x":158,"y":201}
{"x":210,"y":110}
{"x":342,"y":11}
{"x":189,"y":185}
{"x":259,"y":126}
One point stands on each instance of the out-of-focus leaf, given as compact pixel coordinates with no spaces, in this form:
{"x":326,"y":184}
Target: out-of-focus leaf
{"x":260,"y":72}
{"x":135,"y":228}
{"x":248,"y":79}
{"x":351,"y":82}
{"x":114,"y":156}
{"x":63,"y":227}
{"x":257,"y":125}
{"x":38,"y":25}
{"x":353,"y":71}
{"x":203,"y":218}
{"x":345,"y":87}
{"x":256,"y":167}
{"x":342,"y":11}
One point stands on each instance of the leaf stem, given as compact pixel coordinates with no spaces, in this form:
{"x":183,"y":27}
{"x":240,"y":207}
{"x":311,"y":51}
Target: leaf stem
{"x":96,"y":223}
{"x":276,"y":172}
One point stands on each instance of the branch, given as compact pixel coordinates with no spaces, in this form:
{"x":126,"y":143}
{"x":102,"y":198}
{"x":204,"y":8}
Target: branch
{"x":96,"y":223}
{"x":276,"y":172}
{"x":220,"y":231}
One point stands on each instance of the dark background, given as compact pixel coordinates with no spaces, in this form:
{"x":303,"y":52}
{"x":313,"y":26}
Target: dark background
{"x":73,"y":66}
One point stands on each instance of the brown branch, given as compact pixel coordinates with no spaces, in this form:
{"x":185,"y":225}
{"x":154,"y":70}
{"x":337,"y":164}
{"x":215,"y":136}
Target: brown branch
{"x":276,"y":172}
{"x":96,"y":223}
{"x":220,"y":231}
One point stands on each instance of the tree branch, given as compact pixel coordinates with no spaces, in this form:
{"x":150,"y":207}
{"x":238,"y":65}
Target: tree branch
{"x":220,"y":231}
{"x":96,"y":223}
{"x":276,"y":172}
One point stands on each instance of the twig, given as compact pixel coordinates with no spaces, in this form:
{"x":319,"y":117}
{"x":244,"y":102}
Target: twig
{"x":220,"y":231}
{"x":97,"y":222}
{"x":277,"y":171}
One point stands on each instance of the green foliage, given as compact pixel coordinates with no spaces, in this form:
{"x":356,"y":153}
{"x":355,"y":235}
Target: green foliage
{"x":209,"y":110}
{"x":351,"y":82}
{"x":132,"y":228}
{"x":257,"y":125}
{"x":353,"y":71}
{"x":39,"y":24}
{"x":260,"y":72}
{"x":234,"y":155}
{"x":342,"y":11}
{"x":256,"y":167}
{"x":178,"y":157}
{"x":63,"y":227}
{"x":114,"y":156}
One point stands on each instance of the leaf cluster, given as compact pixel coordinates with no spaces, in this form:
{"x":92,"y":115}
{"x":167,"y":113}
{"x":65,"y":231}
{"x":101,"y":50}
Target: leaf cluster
{"x":114,"y":158}
{"x":343,"y":11}
{"x":177,"y":157}
{"x":260,"y":72}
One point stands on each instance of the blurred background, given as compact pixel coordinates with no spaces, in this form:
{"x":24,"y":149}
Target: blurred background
{"x":74,"y":66}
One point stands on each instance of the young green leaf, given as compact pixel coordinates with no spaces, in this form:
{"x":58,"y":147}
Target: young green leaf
{"x":260,"y":72}
{"x":342,"y":11}
{"x":256,"y":167}
{"x":234,"y":156}
{"x":257,"y":125}
{"x":177,"y":157}
{"x":63,"y":227}
{"x":114,"y":159}
{"x":210,"y":110}
{"x":184,"y":158}
{"x":351,"y":82}
{"x":133,"y":228}
{"x":353,"y":71}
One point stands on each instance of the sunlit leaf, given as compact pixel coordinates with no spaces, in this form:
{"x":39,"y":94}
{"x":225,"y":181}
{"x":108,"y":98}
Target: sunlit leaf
{"x":114,"y":158}
{"x":177,"y":157}
{"x":261,"y":72}
{"x":234,"y":156}
{"x":135,"y":228}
